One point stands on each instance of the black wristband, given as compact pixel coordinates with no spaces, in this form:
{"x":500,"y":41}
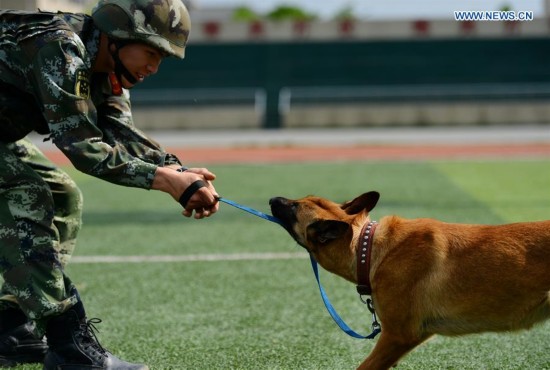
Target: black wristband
{"x":188,"y":193}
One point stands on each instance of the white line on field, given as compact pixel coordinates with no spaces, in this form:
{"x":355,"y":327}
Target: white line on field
{"x":189,"y":258}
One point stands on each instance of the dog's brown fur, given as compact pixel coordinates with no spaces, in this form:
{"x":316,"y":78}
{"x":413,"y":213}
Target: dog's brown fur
{"x":429,"y":277}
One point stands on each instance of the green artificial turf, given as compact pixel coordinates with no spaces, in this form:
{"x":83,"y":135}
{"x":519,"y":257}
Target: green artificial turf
{"x":267,"y":314}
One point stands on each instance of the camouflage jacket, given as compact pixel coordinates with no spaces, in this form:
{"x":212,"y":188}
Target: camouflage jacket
{"x":46,"y":59}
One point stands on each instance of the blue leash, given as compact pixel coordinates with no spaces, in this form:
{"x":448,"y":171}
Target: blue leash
{"x":252,"y":211}
{"x":326,"y":301}
{"x":375,"y":327}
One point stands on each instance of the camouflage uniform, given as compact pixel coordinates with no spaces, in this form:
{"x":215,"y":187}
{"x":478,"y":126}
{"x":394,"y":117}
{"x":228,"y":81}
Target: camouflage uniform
{"x":47,"y":86}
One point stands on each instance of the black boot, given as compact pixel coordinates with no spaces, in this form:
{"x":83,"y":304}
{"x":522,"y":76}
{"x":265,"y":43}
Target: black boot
{"x":19,"y":343}
{"x":74,"y":346}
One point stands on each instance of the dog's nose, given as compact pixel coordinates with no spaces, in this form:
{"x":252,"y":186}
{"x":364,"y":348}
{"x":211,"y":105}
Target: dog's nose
{"x":277,"y":200}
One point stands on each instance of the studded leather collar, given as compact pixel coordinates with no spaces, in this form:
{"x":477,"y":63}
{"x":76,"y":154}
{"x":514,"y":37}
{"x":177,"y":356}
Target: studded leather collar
{"x":364,"y":251}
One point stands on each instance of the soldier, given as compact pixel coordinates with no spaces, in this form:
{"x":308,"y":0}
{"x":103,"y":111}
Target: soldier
{"x":67,"y":76}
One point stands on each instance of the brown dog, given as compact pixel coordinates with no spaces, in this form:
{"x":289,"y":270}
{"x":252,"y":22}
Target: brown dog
{"x":427,"y":277}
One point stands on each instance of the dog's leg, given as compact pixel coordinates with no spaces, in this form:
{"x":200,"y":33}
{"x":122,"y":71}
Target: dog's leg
{"x":387,"y":351}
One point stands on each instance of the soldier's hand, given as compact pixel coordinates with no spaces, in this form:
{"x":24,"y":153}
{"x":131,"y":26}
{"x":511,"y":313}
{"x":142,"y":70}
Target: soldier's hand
{"x":200,"y":200}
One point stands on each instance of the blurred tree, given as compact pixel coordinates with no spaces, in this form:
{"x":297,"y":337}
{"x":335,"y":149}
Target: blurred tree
{"x":505,"y":8}
{"x":346,"y":13}
{"x":245,"y":14}
{"x":285,"y":12}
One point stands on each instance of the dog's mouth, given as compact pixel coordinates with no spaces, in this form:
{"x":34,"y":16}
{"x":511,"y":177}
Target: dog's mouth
{"x":284,"y":210}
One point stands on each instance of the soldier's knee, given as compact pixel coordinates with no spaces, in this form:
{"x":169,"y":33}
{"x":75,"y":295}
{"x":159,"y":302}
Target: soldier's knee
{"x":74,"y":196}
{"x":68,"y":198}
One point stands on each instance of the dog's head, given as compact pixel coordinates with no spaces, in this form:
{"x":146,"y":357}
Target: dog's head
{"x":323,"y":227}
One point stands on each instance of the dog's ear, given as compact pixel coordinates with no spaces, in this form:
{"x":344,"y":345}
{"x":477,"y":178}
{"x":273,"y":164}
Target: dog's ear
{"x":365,"y":201}
{"x":324,"y":231}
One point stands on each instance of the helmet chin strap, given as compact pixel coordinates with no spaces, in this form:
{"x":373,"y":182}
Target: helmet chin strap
{"x":120,"y":68}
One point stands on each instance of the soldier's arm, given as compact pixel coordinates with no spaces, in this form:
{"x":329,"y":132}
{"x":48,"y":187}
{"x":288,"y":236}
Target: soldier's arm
{"x":116,"y":123}
{"x":61,"y":74}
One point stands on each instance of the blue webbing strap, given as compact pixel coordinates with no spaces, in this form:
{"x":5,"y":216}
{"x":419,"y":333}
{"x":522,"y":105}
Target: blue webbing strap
{"x":337,"y":319}
{"x":251,"y":210}
{"x":324,"y":296}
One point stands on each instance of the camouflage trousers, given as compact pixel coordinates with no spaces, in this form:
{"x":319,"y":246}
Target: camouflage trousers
{"x":40,"y":216}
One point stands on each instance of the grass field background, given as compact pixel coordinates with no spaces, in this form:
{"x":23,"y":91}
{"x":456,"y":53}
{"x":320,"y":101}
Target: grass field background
{"x":267,"y":314}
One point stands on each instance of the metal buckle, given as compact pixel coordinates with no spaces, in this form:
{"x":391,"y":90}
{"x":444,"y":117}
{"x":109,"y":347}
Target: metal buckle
{"x":370,"y":305}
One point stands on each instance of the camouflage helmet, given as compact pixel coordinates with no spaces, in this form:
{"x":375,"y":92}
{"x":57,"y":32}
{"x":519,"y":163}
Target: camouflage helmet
{"x":163,"y":24}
